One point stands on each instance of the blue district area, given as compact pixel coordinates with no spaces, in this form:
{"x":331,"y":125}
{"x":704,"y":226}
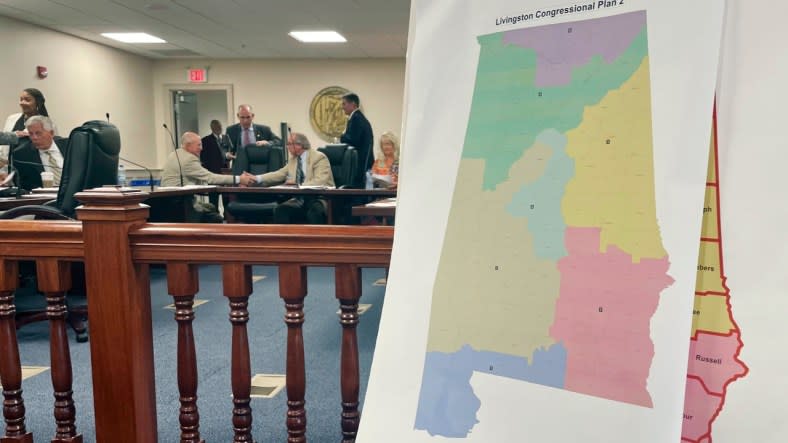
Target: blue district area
{"x":540,"y":201}
{"x":447,"y":403}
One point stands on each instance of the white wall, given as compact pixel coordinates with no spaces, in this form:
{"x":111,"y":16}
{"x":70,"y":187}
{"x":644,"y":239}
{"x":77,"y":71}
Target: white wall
{"x":282,"y":90}
{"x":86,"y":80}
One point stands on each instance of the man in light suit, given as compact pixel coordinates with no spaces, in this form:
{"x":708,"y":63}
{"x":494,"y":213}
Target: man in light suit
{"x":247,"y":132}
{"x":184,"y":166}
{"x":41,"y":152}
{"x":358,"y":133}
{"x":306,"y":167}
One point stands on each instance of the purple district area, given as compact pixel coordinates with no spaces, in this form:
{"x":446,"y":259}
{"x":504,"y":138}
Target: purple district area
{"x":562,"y":47}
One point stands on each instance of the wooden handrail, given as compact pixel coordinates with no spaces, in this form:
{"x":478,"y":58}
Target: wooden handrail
{"x":42,"y":238}
{"x":117,"y":246}
{"x":308,"y":245}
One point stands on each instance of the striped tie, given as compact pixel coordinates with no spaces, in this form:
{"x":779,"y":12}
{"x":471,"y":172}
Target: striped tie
{"x":54,"y":167}
{"x":300,"y":172}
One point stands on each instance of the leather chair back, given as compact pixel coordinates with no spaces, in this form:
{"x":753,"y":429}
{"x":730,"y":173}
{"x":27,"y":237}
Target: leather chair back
{"x":344,"y":161}
{"x":258,"y":159}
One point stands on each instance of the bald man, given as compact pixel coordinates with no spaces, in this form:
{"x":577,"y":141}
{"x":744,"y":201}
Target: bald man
{"x":191,"y":172}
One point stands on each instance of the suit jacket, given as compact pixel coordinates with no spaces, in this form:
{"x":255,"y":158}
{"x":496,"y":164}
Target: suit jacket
{"x":213,"y":156}
{"x":317,"y":165}
{"x":30,"y":175}
{"x":358,"y":133}
{"x":193,"y":172}
{"x":261,"y":132}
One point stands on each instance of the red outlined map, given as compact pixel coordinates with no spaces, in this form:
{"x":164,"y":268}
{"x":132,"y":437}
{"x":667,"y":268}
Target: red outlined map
{"x":716,"y":342}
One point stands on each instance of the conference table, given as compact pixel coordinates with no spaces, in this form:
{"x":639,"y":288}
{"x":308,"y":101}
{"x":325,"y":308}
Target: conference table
{"x":7,"y":203}
{"x":334,"y":197}
{"x":384,"y":209}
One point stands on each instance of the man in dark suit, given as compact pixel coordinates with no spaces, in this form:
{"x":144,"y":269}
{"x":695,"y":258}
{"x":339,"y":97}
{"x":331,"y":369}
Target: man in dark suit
{"x":42,"y":152}
{"x":247,"y":132}
{"x":215,"y":153}
{"x":358,"y":133}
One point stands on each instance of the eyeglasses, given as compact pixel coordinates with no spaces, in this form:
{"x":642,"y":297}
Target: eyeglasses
{"x":293,"y":144}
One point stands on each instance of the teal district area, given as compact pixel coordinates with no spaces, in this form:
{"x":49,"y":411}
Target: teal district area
{"x":540,"y":201}
{"x":509,"y":111}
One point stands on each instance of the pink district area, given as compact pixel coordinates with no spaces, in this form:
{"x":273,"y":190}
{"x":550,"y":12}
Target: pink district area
{"x":699,"y":411}
{"x":603,"y":317}
{"x":713,"y":359}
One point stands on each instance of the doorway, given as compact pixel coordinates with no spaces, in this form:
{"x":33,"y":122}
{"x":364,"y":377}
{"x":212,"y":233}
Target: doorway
{"x":193,"y":110}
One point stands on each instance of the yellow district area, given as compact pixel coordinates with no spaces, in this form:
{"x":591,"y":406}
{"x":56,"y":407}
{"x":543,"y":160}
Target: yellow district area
{"x":711,"y":314}
{"x":711,"y":175}
{"x":500,"y":297}
{"x":613,"y":187}
{"x":709,"y":273}
{"x":709,"y":229}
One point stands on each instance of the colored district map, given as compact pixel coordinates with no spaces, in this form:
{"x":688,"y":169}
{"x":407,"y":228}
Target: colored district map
{"x":552,"y":264}
{"x":715,"y":340}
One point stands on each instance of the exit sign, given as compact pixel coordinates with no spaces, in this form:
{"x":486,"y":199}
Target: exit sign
{"x":198,"y":76}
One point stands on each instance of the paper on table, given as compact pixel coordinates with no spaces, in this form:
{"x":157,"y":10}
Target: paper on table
{"x":387,"y":203}
{"x":316,"y":187}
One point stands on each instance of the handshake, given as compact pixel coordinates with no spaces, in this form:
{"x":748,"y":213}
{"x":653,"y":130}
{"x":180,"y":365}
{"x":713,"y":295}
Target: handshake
{"x":247,"y":179}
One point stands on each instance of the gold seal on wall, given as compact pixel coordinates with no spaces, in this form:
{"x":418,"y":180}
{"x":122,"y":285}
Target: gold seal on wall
{"x":326,"y":114}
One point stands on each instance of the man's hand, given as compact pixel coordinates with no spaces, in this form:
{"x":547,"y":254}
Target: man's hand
{"x":247,"y":179}
{"x":230,"y":156}
{"x":262,"y":143}
{"x":22,"y":133}
{"x":3,"y":175}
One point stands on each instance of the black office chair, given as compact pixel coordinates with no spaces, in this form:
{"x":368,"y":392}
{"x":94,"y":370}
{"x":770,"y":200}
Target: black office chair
{"x":344,"y":161}
{"x":256,"y":160}
{"x":91,"y":161}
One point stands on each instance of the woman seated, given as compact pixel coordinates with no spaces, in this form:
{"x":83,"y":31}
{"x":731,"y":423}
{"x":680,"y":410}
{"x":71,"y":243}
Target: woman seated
{"x":386,"y":167}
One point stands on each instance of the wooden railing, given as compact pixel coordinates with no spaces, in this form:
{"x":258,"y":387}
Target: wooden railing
{"x":117,"y":247}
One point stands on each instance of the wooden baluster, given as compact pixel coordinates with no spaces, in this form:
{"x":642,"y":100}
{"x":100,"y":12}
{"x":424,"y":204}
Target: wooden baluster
{"x":11,"y":367}
{"x":348,"y":291}
{"x":237,"y":283}
{"x":182,"y":283}
{"x":54,"y":279}
{"x":292,"y":289}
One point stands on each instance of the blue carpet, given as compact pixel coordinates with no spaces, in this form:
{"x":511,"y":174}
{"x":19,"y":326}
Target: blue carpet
{"x":267,"y":335}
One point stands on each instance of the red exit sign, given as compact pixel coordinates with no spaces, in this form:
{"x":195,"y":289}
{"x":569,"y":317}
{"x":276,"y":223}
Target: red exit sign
{"x":198,"y":75}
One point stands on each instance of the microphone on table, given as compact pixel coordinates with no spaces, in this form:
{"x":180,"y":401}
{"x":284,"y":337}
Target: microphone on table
{"x":20,"y":162}
{"x":175,"y":149}
{"x":150,"y":173}
{"x":107,"y":114}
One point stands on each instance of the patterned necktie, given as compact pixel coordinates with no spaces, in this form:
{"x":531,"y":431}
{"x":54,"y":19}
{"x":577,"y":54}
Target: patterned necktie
{"x":247,"y":138}
{"x":300,"y":172}
{"x":54,"y":167}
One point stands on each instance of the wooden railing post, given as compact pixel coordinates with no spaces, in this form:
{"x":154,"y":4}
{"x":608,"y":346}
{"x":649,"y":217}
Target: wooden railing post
{"x":292,"y":289}
{"x":10,"y":364}
{"x":348,"y":291}
{"x":237,"y":286}
{"x":121,"y":341}
{"x":182,"y":283}
{"x":54,"y":279}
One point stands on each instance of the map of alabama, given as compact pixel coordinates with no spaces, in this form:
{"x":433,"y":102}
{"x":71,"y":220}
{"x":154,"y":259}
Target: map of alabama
{"x":552,"y":264}
{"x":715,"y":342}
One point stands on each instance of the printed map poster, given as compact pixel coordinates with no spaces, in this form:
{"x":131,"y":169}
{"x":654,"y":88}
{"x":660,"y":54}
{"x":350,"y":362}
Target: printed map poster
{"x":545,"y":258}
{"x":743,"y":385}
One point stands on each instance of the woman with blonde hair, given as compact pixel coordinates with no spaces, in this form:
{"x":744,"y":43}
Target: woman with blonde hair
{"x":386,"y":167}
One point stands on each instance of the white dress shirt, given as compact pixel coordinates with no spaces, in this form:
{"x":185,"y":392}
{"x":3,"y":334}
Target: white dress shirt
{"x":55,"y":152}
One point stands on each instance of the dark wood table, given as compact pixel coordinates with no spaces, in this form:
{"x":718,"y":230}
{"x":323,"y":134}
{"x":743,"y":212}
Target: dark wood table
{"x":172,"y":204}
{"x":334,"y":197}
{"x":7,"y":203}
{"x":374,"y":210}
